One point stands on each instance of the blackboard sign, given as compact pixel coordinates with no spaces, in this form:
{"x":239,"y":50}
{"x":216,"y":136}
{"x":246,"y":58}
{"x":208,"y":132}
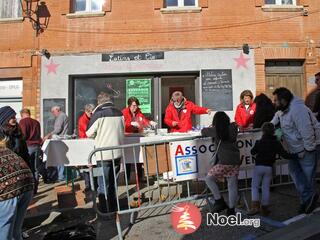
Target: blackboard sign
{"x":48,"y":118}
{"x":216,"y":86}
{"x":120,"y":57}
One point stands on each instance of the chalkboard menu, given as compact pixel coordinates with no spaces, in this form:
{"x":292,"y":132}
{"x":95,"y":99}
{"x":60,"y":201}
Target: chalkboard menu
{"x":216,"y":86}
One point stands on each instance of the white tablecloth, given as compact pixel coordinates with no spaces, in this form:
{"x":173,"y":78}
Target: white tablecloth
{"x":75,"y":152}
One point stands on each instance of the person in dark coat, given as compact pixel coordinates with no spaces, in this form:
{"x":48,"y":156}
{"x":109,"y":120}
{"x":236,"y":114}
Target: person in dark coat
{"x":266,"y":150}
{"x":264,"y":110}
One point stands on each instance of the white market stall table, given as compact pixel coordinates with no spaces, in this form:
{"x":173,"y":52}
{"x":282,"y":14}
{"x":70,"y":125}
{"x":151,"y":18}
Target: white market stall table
{"x":75,"y":152}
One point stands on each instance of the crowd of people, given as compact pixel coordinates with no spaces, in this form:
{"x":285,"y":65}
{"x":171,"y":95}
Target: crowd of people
{"x":300,"y":136}
{"x":20,"y":148}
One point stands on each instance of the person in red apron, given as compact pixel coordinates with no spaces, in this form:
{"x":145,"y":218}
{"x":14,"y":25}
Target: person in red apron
{"x":135,"y":121}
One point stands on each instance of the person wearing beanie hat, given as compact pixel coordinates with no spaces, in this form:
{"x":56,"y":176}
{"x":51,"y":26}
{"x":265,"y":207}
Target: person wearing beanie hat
{"x":6,"y":113}
{"x":11,"y":130}
{"x":179,"y":112}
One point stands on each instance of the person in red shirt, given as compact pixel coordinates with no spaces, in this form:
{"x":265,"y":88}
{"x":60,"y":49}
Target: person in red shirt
{"x":134,"y":119}
{"x":84,"y":120}
{"x":82,"y":128}
{"x":245,"y":110}
{"x":178,"y":116}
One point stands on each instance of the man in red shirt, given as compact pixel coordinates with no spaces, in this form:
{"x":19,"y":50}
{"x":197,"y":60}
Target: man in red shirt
{"x":179,"y":112}
{"x":245,"y":110}
{"x":82,"y":128}
{"x":32,"y":133}
{"x":84,"y":120}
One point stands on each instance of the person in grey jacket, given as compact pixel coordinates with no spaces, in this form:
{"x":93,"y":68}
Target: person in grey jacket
{"x":61,"y":127}
{"x":227,"y":164}
{"x":300,"y":133}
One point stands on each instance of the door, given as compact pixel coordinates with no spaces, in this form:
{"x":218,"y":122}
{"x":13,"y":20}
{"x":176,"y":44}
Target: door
{"x":184,"y":84}
{"x":294,"y":82}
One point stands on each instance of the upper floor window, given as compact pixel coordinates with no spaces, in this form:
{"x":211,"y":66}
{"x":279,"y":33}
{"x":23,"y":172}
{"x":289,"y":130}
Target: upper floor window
{"x":10,"y":9}
{"x":281,"y":2}
{"x":181,"y":3}
{"x":88,"y":5}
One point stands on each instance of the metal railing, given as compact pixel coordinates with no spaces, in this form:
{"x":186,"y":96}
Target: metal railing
{"x":153,"y":194}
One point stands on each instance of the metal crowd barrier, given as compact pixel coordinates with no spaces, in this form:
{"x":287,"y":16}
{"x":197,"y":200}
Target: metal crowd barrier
{"x":155,"y":184}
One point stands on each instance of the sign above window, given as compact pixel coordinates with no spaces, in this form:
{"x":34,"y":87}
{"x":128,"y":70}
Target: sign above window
{"x":11,"y":89}
{"x":120,"y":57}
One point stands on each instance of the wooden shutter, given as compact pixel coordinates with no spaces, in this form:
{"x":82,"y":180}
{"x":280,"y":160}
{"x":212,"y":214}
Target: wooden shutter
{"x":203,"y":3}
{"x":107,"y":6}
{"x":158,"y":4}
{"x":259,"y":3}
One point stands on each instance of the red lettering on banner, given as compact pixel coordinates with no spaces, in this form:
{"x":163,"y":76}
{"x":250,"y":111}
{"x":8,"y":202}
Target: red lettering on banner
{"x":179,"y":150}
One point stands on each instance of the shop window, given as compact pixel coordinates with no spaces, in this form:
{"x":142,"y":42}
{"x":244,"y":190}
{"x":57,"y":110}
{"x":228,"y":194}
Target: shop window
{"x":88,"y":5}
{"x":181,"y":3}
{"x":86,"y":90}
{"x":280,"y":2}
{"x":10,"y":9}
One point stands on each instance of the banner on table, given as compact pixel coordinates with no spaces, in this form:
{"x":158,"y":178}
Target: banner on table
{"x":191,"y":159}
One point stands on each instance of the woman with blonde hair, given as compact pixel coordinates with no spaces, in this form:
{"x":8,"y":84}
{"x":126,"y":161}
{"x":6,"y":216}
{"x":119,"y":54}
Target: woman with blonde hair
{"x":16,"y":191}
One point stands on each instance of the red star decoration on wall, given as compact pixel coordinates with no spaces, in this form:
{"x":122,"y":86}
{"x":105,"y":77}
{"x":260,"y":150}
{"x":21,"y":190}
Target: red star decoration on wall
{"x":52,"y":67}
{"x":242,"y":61}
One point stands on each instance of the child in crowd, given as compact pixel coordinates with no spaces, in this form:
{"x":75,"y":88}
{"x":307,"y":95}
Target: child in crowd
{"x":224,"y":135}
{"x":265,"y":150}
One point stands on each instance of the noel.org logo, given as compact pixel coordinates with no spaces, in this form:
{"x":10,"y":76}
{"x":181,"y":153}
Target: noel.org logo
{"x":185,"y":218}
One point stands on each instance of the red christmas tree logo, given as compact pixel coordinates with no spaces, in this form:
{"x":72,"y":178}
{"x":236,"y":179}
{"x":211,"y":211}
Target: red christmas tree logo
{"x":185,"y":218}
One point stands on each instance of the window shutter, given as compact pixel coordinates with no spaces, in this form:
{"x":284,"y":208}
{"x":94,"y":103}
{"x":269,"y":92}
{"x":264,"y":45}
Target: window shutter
{"x":71,"y":6}
{"x":304,"y":3}
{"x":259,"y":3}
{"x":107,"y":6}
{"x":203,"y":3}
{"x":158,"y":4}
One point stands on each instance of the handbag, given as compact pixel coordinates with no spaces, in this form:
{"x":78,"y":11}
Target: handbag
{"x":214,"y":158}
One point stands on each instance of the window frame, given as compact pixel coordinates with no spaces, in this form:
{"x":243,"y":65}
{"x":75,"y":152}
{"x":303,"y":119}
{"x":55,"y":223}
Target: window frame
{"x":279,"y":3}
{"x":181,"y":4}
{"x":16,"y":15}
{"x":88,"y":7}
